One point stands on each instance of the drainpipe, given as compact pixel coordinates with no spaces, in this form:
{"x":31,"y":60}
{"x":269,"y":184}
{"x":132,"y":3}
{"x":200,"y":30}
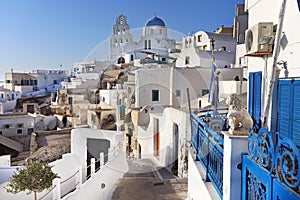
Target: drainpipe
{"x":274,"y":66}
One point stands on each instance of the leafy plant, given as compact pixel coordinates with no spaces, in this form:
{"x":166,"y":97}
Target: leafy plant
{"x":35,"y":177}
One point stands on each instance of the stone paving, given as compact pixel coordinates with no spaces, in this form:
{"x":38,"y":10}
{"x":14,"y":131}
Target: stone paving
{"x":145,"y":180}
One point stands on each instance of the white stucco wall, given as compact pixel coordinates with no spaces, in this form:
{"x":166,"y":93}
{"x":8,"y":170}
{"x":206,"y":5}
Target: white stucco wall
{"x":70,"y":163}
{"x":65,"y":168}
{"x":111,"y":96}
{"x":234,"y":146}
{"x":79,"y":141}
{"x":196,"y":186}
{"x":289,"y":43}
{"x":170,"y":80}
{"x":167,"y":119}
{"x":22,"y":122}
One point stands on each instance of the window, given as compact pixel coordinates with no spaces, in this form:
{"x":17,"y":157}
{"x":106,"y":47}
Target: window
{"x":204,"y":47}
{"x":2,"y":95}
{"x":121,"y":42}
{"x":223,"y":48}
{"x":204,"y":92}
{"x":16,"y":82}
{"x":131,"y":57}
{"x":155,"y":95}
{"x":199,"y":38}
{"x":7,"y":81}
{"x":0,"y":132}
{"x":19,"y":131}
{"x":145,"y":47}
{"x":178,"y":93}
{"x":187,"y":60}
{"x":20,"y":125}
{"x":254,"y":96}
{"x":29,"y":131}
{"x":149,"y":44}
{"x":54,"y":81}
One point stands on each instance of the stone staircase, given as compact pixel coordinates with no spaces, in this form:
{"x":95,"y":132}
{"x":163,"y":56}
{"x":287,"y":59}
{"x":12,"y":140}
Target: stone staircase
{"x":11,"y":143}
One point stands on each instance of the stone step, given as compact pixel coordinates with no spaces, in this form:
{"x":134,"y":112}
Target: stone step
{"x":24,"y":153}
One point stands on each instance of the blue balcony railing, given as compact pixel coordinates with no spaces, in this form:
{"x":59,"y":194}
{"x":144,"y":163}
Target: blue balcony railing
{"x":271,"y":169}
{"x":208,"y":146}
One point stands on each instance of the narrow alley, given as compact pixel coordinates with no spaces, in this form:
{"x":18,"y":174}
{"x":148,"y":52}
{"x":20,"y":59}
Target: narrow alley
{"x":145,"y":180}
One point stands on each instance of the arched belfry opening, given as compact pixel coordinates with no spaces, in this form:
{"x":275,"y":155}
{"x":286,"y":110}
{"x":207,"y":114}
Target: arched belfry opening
{"x":121,"y":60}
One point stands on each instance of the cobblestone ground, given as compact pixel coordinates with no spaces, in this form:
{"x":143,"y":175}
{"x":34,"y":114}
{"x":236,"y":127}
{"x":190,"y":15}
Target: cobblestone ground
{"x":145,"y":180}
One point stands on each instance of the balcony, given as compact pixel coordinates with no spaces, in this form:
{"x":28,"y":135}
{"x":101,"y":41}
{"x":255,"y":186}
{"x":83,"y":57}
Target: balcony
{"x":208,"y":147}
{"x":261,"y":165}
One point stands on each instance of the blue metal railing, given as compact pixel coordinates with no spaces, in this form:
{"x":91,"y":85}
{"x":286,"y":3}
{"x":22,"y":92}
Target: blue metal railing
{"x":208,"y":146}
{"x":271,"y":168}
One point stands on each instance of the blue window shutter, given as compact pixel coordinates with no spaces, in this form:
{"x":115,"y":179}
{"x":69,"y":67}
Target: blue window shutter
{"x":250,"y":93}
{"x":296,"y":112}
{"x":284,"y":108}
{"x":254,"y":93}
{"x":257,"y":97}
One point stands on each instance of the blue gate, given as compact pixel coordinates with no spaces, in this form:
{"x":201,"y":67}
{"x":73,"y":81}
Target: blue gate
{"x":270,"y":171}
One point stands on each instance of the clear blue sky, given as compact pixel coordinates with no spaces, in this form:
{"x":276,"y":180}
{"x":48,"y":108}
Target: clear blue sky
{"x":44,"y":34}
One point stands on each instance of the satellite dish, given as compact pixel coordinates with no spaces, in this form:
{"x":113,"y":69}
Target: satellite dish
{"x":249,"y":40}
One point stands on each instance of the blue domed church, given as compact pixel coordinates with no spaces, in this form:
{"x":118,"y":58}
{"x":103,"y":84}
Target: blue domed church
{"x":153,"y":41}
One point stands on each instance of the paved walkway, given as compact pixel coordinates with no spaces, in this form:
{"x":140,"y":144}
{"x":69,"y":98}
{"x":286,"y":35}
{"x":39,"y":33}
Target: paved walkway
{"x":145,"y":180}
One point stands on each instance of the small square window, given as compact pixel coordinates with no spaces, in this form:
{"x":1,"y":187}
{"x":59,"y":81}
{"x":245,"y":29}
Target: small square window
{"x":19,"y":131}
{"x":178,"y":93}
{"x":205,"y":91}
{"x":155,"y":95}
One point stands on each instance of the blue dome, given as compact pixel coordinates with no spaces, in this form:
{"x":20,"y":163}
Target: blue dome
{"x":155,"y":21}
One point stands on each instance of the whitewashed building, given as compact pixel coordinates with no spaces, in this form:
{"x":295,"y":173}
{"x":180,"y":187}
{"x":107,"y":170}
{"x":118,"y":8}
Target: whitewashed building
{"x":197,"y":49}
{"x":115,"y":96}
{"x":16,"y":125}
{"x":167,"y":86}
{"x":35,"y":80}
